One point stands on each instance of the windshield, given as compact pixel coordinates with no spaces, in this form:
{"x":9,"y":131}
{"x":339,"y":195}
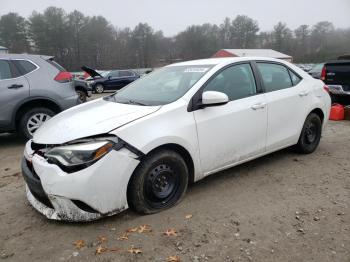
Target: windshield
{"x":163,"y":86}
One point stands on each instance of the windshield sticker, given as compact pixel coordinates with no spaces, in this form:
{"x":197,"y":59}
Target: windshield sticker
{"x":196,"y":70}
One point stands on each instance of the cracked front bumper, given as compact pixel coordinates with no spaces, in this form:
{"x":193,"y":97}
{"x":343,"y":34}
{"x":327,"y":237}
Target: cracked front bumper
{"x":69,"y":212}
{"x":96,"y":191}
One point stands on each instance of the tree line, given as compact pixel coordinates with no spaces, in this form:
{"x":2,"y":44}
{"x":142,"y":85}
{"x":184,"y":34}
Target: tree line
{"x":76,"y":39}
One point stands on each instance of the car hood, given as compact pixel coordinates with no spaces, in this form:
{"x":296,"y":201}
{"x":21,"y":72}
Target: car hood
{"x":89,"y":119}
{"x":93,"y":73}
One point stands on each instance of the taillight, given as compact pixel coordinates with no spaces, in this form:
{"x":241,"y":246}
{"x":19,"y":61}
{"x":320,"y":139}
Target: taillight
{"x":323,"y":73}
{"x":326,"y":88}
{"x":63,"y":77}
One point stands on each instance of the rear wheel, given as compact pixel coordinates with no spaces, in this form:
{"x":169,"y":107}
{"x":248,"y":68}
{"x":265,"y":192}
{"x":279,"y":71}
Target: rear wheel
{"x":32,"y":120}
{"x":310,"y":135}
{"x":99,"y":88}
{"x":158,"y":183}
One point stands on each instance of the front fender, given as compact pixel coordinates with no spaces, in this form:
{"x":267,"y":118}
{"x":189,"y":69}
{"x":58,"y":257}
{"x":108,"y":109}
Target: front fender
{"x":170,"y":125}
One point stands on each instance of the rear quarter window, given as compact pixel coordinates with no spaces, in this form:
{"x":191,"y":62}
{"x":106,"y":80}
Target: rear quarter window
{"x":295,"y":78}
{"x":24,"y":66}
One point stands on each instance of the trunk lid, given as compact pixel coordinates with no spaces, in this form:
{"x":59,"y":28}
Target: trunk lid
{"x":90,"y":71}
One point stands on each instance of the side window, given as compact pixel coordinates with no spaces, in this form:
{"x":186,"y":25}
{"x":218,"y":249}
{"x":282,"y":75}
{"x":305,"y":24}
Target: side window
{"x":275,"y":77}
{"x":5,"y":70}
{"x":236,"y":82}
{"x":114,"y":74}
{"x":295,"y":78}
{"x":125,"y":73}
{"x":24,"y":66}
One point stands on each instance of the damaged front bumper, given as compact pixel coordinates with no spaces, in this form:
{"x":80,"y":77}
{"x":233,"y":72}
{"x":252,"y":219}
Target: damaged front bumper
{"x":96,"y":191}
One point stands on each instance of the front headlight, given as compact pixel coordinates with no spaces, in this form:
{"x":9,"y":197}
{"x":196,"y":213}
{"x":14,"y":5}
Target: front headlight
{"x":72,"y":158}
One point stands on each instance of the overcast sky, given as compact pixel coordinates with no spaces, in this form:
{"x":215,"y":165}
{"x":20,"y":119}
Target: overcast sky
{"x":172,"y":16}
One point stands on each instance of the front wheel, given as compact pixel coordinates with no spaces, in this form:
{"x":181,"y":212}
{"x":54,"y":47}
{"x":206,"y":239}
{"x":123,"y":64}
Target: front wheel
{"x":99,"y":89}
{"x":82,"y":96}
{"x":310,"y":135}
{"x":158,"y":183}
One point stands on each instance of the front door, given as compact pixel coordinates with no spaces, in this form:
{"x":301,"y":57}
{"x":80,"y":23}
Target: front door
{"x":236,"y":131}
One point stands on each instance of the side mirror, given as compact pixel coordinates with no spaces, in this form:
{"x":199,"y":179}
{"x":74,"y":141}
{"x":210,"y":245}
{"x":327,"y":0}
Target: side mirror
{"x":109,"y":77}
{"x":214,"y":98}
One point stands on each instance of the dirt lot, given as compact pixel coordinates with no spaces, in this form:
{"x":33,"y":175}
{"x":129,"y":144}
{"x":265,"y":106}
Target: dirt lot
{"x":283,"y":207}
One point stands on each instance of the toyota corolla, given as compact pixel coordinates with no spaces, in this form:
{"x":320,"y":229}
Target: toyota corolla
{"x":143,"y":145}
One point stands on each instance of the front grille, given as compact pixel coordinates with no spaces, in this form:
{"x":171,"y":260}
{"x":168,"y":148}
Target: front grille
{"x":36,"y":147}
{"x":42,"y":199}
{"x":34,"y":184}
{"x":84,"y":206}
{"x":30,"y":167}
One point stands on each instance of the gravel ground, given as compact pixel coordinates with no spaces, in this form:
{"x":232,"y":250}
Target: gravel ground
{"x":282,"y":207}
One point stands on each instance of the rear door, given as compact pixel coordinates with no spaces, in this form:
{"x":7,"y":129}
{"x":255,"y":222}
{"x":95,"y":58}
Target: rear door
{"x":126,"y":77}
{"x":113,"y":81}
{"x":14,"y":88}
{"x":288,"y":100}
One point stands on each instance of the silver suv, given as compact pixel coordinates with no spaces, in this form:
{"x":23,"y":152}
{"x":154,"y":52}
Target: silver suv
{"x":33,"y":88}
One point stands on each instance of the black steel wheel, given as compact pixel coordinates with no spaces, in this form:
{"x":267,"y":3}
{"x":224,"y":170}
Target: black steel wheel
{"x":310,"y":135}
{"x":158,"y":183}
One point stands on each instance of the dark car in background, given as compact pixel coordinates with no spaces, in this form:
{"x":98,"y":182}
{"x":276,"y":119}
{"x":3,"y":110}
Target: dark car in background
{"x":109,"y":80}
{"x":336,"y":75}
{"x":82,"y":88}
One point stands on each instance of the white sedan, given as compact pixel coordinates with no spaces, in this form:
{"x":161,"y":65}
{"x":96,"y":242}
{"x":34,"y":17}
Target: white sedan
{"x":141,"y":146}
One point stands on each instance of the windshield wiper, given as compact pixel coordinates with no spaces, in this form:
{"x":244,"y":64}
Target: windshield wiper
{"x":135,"y":102}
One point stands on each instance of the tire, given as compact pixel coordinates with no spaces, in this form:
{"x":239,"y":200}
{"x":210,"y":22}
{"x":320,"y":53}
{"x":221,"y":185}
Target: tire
{"x":32,"y":120}
{"x":158,"y":183}
{"x":310,"y":135}
{"x":82,"y":96}
{"x":99,"y":89}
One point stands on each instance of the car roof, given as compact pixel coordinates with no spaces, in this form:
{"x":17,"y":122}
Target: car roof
{"x":224,"y":60}
{"x":337,"y":62}
{"x":25,"y":56}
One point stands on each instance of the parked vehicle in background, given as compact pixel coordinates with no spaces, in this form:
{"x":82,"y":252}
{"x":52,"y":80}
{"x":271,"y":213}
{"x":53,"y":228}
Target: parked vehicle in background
{"x":33,"y":88}
{"x":141,"y":146}
{"x":83,"y":89}
{"x":315,"y":72}
{"x":110,"y":80}
{"x":336,"y":75}
{"x":305,"y":67}
{"x":344,"y":57}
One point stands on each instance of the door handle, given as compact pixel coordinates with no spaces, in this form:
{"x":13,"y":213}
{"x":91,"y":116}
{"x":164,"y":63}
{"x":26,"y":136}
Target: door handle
{"x":258,"y":106}
{"x":303,"y":93}
{"x":14,"y":86}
